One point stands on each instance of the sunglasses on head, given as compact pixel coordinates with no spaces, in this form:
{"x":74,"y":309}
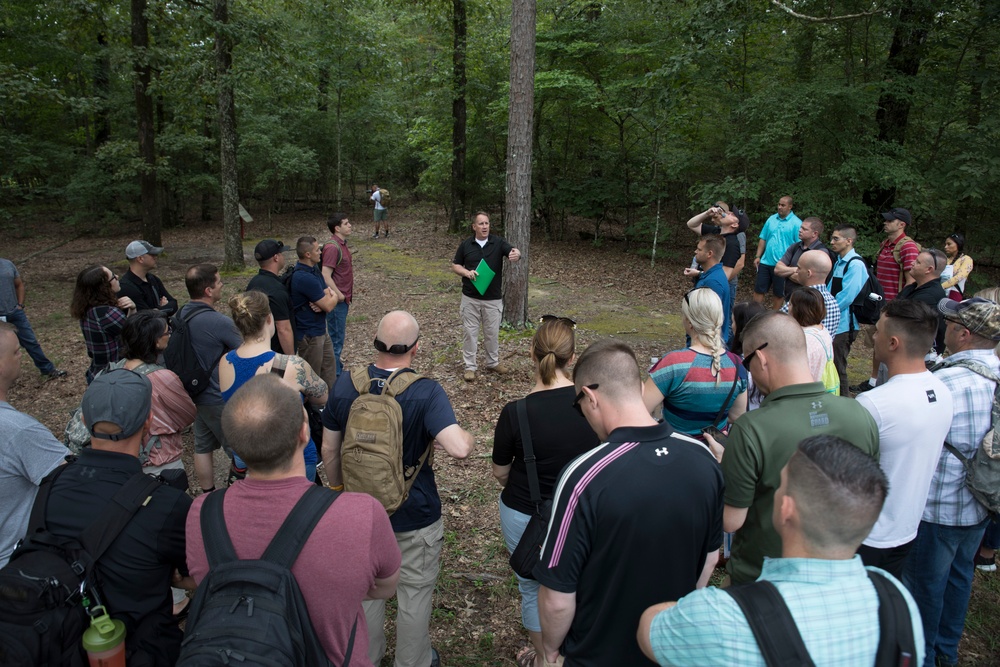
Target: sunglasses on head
{"x":550,"y":318}
{"x":396,"y":349}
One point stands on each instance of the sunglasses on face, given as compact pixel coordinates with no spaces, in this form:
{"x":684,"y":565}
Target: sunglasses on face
{"x":747,"y":359}
{"x":579,"y":397}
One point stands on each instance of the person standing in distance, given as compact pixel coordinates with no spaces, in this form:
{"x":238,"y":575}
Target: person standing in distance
{"x":12,"y":294}
{"x":338,"y":274}
{"x":381,"y":212}
{"x":780,"y":231}
{"x":482,"y":305}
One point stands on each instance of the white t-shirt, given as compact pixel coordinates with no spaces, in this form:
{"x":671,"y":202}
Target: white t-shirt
{"x":913,"y":413}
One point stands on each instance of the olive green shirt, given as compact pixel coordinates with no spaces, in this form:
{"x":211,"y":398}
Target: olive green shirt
{"x":760,"y":444}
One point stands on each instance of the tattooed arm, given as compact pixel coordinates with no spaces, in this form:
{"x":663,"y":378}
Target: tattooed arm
{"x":300,"y":375}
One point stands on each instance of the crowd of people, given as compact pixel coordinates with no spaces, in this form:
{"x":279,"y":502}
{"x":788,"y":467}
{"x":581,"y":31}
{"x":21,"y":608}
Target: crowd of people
{"x":743,"y":450}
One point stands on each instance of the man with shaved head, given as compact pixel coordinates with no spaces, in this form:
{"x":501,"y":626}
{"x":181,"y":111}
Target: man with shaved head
{"x":427,"y":417}
{"x":812,"y":271}
{"x":762,"y":440}
{"x":634,"y":519}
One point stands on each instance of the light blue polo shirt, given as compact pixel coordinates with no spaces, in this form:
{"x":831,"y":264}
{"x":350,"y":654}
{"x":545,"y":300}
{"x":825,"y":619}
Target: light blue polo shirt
{"x":778,"y":234}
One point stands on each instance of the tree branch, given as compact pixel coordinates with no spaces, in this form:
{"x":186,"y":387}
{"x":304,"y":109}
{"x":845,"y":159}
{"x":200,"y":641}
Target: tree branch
{"x":823,"y":19}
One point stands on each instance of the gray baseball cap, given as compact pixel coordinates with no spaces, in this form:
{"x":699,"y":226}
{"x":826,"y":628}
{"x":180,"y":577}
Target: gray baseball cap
{"x":120,"y":397}
{"x":140,"y":248}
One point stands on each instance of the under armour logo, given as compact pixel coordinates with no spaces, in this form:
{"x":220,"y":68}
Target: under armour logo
{"x":88,"y":472}
{"x":662,"y":451}
{"x":817,"y":405}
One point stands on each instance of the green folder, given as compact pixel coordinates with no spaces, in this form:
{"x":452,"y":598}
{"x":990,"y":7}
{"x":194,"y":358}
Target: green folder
{"x":484,"y":276}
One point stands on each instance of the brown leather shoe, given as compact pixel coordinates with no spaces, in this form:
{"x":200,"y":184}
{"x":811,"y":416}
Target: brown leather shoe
{"x":499,"y":369}
{"x":470,"y":376}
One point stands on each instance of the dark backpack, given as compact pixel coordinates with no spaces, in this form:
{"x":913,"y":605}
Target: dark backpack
{"x":251,"y":612}
{"x":866,"y":309}
{"x":180,"y":355}
{"x":286,"y":280}
{"x":49,"y":583}
{"x":781,"y":643}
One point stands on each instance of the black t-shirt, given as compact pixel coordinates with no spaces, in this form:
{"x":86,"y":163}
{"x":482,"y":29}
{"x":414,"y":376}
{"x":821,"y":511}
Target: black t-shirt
{"x":278,"y":298}
{"x":732,"y":254}
{"x":930,"y":293}
{"x":135,"y":571}
{"x":631,"y":524}
{"x":468,"y":255}
{"x":146,"y":294}
{"x":558,"y":435}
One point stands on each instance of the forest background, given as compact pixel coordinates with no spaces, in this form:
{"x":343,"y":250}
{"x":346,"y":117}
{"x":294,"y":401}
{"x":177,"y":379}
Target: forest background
{"x":644,"y":110}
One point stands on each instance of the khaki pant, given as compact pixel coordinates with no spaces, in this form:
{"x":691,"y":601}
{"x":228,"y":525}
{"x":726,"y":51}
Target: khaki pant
{"x":421,"y":550}
{"x":318,"y":353}
{"x":476,"y":313}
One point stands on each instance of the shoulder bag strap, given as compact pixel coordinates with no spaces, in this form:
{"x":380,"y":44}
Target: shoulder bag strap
{"x":772,"y":624}
{"x":299,"y":525}
{"x":36,"y":520}
{"x":529,"y":453}
{"x":218,"y":545}
{"x":135,"y":493}
{"x":896,"y":647}
{"x":722,"y":408}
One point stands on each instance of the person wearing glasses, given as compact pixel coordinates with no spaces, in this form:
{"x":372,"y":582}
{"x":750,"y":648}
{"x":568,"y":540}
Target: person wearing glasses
{"x":634,"y":519}
{"x":701,"y":385}
{"x":959,"y":267}
{"x":732,"y":226}
{"x":101,"y":314}
{"x":762,"y":440}
{"x":427,"y":418}
{"x":558,"y":435}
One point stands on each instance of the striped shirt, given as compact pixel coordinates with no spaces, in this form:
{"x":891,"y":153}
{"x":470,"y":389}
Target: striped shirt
{"x":833,"y":604}
{"x":691,"y":395}
{"x":886,"y":267}
{"x":949,"y":502}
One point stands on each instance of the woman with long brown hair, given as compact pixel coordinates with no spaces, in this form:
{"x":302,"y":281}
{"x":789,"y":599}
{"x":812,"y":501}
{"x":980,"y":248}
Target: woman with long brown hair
{"x":102,"y":316}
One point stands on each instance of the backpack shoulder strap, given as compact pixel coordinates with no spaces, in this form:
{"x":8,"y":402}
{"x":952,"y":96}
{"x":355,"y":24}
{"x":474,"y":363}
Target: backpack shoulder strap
{"x":400,"y":379}
{"x":974,"y":366}
{"x":218,"y":545}
{"x":135,"y":493}
{"x":529,"y":453}
{"x":299,"y":525}
{"x":772,"y":624}
{"x":895,"y":645}
{"x":36,"y":520}
{"x":361,"y":380}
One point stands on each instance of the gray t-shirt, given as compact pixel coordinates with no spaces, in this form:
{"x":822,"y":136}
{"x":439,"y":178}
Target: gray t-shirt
{"x":8,"y":297}
{"x":28,"y":452}
{"x":212,"y":335}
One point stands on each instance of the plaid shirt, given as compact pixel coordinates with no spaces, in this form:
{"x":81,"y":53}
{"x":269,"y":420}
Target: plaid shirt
{"x":949,"y":502}
{"x":832,"y":320}
{"x":102,"y":327}
{"x":833,"y":603}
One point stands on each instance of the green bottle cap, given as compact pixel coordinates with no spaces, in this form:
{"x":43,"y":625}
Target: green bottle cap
{"x":104,"y":632}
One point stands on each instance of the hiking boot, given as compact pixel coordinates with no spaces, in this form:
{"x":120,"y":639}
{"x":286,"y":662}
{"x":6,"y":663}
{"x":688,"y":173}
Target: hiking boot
{"x":984,"y":564}
{"x":861,"y":388}
{"x":435,"y":658}
{"x":55,"y":373}
{"x":499,"y":369}
{"x":470,"y":376}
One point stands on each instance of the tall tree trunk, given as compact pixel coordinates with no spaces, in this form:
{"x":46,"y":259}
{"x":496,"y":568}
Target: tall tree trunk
{"x":340,"y":137}
{"x":519,"y":132}
{"x":905,"y":56}
{"x":151,"y":214}
{"x":102,"y":87}
{"x":458,"y":116}
{"x":227,"y":137}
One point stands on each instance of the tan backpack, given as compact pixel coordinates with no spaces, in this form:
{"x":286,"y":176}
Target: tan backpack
{"x":371,"y":457}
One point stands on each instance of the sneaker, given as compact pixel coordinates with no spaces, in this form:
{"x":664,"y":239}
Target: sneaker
{"x":861,"y":388}
{"x":387,"y":236}
{"x":375,"y":235}
{"x":470,"y":376}
{"x":984,"y":564}
{"x":55,"y":373}
{"x":435,"y":658}
{"x":499,"y":369}
{"x":235,"y":474}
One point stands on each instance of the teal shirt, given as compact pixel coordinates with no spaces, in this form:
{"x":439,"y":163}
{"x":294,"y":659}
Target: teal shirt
{"x":833,"y":603}
{"x":760,"y":444}
{"x":778,"y":234}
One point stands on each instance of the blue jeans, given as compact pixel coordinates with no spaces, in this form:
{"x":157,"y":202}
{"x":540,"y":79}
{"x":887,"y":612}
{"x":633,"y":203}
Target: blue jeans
{"x":513,"y":523}
{"x":991,"y":539}
{"x":336,"y":326}
{"x":26,"y":336}
{"x":938,"y":573}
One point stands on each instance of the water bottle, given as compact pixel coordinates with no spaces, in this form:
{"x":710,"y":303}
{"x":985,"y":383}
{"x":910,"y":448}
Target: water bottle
{"x":104,"y":640}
